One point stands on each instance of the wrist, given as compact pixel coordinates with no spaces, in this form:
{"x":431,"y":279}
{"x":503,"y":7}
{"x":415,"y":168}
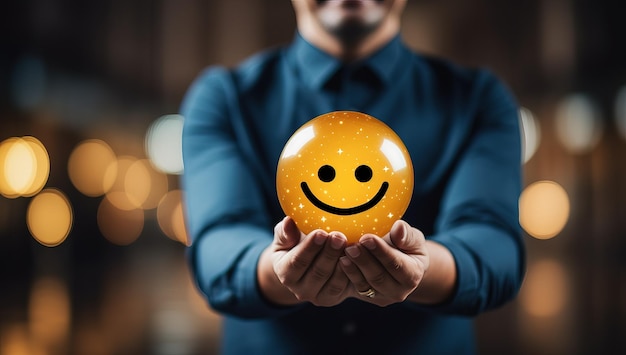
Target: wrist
{"x":269,"y":285}
{"x":438,"y":284}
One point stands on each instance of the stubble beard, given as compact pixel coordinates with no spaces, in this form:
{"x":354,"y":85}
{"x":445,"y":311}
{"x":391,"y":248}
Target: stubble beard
{"x":350,"y":30}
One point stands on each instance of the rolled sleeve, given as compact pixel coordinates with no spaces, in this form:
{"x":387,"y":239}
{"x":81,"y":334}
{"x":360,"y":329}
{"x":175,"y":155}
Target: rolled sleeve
{"x":479,"y":220}
{"x":225,"y":263}
{"x":226,"y":211}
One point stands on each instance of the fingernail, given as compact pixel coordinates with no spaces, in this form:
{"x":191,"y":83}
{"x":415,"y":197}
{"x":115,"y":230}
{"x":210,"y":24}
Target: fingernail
{"x":345,"y":261}
{"x":336,"y":242}
{"x":353,"y":251}
{"x":319,"y":238}
{"x":369,"y":244}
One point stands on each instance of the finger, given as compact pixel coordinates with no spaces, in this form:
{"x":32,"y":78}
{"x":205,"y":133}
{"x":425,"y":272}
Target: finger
{"x":291,"y":228}
{"x":335,"y":289}
{"x":324,"y":265}
{"x":406,"y":238}
{"x":286,"y":234}
{"x":296,"y":262}
{"x":374,"y":272}
{"x":353,"y":274}
{"x":397,"y":264}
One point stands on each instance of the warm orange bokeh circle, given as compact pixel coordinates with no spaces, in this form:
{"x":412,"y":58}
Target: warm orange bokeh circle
{"x":345,"y":171}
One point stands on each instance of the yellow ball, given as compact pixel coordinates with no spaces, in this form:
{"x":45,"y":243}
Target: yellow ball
{"x":345,"y":171}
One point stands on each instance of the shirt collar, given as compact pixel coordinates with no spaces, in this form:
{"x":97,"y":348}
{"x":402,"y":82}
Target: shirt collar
{"x":316,"y":67}
{"x":385,"y":61}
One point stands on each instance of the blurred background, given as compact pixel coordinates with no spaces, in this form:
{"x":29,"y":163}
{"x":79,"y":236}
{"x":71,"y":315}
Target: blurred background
{"x":92,"y":238}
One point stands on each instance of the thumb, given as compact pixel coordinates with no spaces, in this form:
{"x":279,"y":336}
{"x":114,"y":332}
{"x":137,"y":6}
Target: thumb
{"x":287,"y":234}
{"x":405,"y":237}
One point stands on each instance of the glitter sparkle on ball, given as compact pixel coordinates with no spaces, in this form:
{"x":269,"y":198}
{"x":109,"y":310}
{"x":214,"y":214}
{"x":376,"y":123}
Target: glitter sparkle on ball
{"x":345,"y":171}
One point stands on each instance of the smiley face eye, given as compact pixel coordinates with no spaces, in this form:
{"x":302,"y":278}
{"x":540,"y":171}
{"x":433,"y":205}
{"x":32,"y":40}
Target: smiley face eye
{"x":326,"y":173}
{"x":363,"y":173}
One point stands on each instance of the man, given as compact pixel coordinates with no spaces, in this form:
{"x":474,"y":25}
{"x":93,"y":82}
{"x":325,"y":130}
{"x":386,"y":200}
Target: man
{"x":457,"y":250}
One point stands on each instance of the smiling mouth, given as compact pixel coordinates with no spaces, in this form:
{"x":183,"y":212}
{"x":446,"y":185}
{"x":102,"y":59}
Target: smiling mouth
{"x":344,"y":211}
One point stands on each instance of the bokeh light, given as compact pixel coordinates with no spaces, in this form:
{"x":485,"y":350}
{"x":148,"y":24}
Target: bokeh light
{"x":121,"y":227}
{"x":178,"y":224}
{"x":5,"y":189}
{"x":19,"y":167}
{"x":136,"y":184}
{"x":15,"y":340}
{"x":49,"y":313}
{"x":163,"y":144}
{"x":50,"y":217}
{"x":545,"y":290}
{"x":578,"y":124}
{"x":117,"y":192}
{"x":171,"y":218}
{"x":544,"y":209}
{"x":24,"y":166}
{"x":620,"y":111}
{"x":531,"y":133}
{"x":143,"y":185}
{"x":41,"y":165}
{"x":91,"y":167}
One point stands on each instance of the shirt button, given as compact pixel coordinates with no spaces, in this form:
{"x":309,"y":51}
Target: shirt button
{"x":349,"y":328}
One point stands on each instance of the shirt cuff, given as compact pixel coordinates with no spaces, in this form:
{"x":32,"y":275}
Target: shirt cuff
{"x":253,"y":303}
{"x":464,"y":299}
{"x":224,"y":262}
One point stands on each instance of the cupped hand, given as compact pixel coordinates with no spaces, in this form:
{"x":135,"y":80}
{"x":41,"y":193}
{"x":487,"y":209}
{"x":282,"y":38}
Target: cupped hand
{"x":392,"y":266}
{"x":308,"y":265}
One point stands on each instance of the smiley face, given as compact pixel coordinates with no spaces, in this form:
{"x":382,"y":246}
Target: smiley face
{"x":327,"y":173}
{"x":345,"y":171}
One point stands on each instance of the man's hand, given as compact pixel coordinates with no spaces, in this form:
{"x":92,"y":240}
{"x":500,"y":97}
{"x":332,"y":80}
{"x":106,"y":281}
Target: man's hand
{"x":392,"y":267}
{"x":297,"y":267}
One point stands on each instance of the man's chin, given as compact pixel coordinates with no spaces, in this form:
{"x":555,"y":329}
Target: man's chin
{"x":352,"y":31}
{"x":351,"y":21}
{"x":348,"y":3}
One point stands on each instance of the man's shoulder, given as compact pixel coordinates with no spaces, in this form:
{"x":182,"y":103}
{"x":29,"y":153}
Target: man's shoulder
{"x":445,"y":69}
{"x":248,"y":71}
{"x":258,"y":67}
{"x":462,"y":81}
{"x":451,"y":76}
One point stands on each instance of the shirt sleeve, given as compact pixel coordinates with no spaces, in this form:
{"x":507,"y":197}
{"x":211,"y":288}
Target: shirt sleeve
{"x":226,"y":215}
{"x":479,"y":220}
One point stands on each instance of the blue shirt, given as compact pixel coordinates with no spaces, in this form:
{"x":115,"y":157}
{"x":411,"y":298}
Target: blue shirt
{"x":461,"y":128}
